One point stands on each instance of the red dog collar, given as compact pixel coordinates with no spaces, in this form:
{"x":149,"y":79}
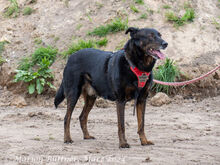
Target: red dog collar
{"x":142,"y":76}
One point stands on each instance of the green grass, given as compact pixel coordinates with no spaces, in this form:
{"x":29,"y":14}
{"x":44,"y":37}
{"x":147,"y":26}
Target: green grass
{"x":166,"y":6}
{"x":187,"y":5}
{"x":115,"y":26}
{"x":2,"y":60}
{"x":82,"y":44}
{"x":150,"y":11}
{"x":78,"y":27}
{"x":99,"y":5}
{"x":180,"y":21}
{"x":120,"y":45}
{"x":38,"y":41}
{"x":89,"y":17}
{"x":2,"y":47}
{"x":143,"y":16}
{"x":34,"y":70}
{"x":140,"y":2}
{"x":76,"y":46}
{"x":27,"y":11}
{"x":134,"y":9}
{"x":12,"y":10}
{"x":216,"y":24}
{"x":102,"y":42}
{"x":167,"y":72}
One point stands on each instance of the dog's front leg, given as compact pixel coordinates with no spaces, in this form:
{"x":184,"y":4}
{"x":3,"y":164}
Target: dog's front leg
{"x":121,"y":125}
{"x":141,"y":103}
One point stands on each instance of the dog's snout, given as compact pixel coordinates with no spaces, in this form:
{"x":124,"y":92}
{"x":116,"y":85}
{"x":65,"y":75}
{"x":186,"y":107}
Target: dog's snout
{"x":164,"y":44}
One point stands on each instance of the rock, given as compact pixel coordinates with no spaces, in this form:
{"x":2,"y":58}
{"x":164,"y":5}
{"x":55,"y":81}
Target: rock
{"x":101,"y":103}
{"x":18,"y":101}
{"x":159,"y":99}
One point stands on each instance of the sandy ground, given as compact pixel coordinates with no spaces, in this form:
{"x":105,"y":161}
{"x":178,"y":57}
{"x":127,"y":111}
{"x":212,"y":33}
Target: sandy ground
{"x":185,"y":132}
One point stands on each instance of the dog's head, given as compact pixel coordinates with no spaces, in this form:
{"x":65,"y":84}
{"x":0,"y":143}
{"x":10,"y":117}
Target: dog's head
{"x":145,"y":45}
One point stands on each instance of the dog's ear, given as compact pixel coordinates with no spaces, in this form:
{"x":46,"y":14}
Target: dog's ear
{"x":132,"y":31}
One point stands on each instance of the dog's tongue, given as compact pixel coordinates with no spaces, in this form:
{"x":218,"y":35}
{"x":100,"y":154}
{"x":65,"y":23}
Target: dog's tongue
{"x":159,"y":54}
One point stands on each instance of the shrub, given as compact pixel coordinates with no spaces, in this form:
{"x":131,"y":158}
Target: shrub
{"x":115,"y":26}
{"x":167,"y":72}
{"x":35,"y":70}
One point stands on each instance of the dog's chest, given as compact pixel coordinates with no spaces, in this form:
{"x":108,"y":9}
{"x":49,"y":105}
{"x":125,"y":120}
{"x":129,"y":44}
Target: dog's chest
{"x":130,"y":92}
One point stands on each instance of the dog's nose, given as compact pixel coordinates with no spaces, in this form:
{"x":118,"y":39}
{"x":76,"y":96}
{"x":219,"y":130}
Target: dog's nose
{"x":164,"y":44}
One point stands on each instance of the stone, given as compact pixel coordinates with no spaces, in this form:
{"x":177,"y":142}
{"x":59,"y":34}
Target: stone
{"x":18,"y":101}
{"x":160,"y":99}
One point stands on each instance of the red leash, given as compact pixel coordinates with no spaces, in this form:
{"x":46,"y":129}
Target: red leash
{"x":186,"y":82}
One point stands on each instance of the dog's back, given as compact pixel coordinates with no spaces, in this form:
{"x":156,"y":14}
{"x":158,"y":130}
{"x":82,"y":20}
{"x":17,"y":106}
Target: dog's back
{"x":86,"y":65}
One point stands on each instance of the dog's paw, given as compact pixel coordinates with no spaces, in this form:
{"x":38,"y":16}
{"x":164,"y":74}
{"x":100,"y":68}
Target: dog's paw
{"x":69,"y":141}
{"x":145,"y":143}
{"x":124,"y":145}
{"x":89,"y":137}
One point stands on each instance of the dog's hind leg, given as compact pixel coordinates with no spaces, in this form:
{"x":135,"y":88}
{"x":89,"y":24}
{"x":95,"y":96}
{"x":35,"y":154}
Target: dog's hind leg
{"x":140,"y":117}
{"x":89,"y":102}
{"x":71,"y":102}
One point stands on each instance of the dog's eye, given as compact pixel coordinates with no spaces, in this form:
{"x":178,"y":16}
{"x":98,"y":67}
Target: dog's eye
{"x":159,"y":35}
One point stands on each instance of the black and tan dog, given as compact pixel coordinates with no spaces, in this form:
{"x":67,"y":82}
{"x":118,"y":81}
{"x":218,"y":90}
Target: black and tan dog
{"x":120,"y":76}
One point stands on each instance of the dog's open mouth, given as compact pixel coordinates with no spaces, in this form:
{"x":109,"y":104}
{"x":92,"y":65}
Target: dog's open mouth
{"x":156,"y":54}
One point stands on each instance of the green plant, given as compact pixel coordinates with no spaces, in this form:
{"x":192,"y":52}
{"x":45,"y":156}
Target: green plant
{"x":115,"y":26}
{"x":102,"y":42}
{"x":76,"y":46}
{"x":167,"y":72}
{"x":82,"y":44}
{"x":56,"y":39}
{"x":78,"y":26}
{"x":27,"y":11}
{"x":217,"y":24}
{"x":35,"y":70}
{"x":140,"y":2}
{"x":166,"y":7}
{"x":134,"y":9}
{"x":187,"y":5}
{"x":89,"y":17}
{"x":120,"y":45}
{"x":38,"y":41}
{"x":180,"y":21}
{"x":2,"y":47}
{"x":99,"y":5}
{"x":2,"y":60}
{"x":143,"y":16}
{"x":12,"y":10}
{"x":150,"y":11}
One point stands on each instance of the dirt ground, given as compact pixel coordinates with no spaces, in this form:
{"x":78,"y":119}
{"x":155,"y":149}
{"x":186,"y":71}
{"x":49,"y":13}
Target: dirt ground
{"x":184,"y":132}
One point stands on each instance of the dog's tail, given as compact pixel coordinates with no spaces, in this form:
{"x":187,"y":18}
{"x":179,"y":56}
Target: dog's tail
{"x":59,"y":95}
